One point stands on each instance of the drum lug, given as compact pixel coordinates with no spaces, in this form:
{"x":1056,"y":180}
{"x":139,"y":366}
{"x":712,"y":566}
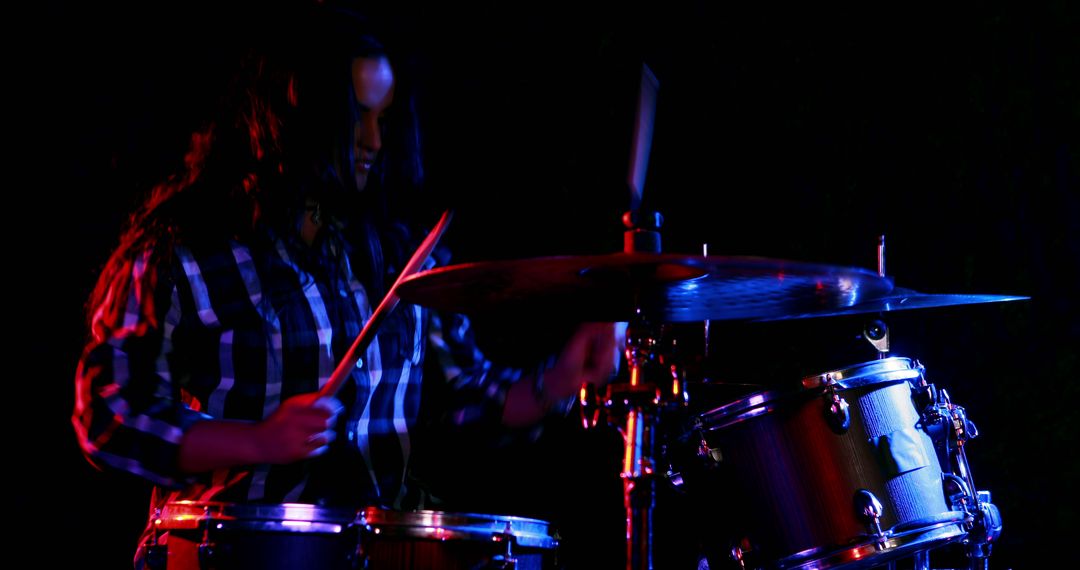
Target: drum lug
{"x":711,"y":455}
{"x":868,"y":509}
{"x":838,"y":414}
{"x":505,"y":561}
{"x":837,"y":410}
{"x":157,"y":555}
{"x":738,"y":552}
{"x":206,"y":548}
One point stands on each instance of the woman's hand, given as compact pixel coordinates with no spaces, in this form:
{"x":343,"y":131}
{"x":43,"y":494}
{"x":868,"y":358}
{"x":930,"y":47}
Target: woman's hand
{"x":590,"y":356}
{"x":301,"y":427}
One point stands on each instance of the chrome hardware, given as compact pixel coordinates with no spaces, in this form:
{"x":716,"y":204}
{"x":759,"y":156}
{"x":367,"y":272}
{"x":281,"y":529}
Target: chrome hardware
{"x":837,"y":410}
{"x":505,"y":561}
{"x":956,"y":491}
{"x":206,"y":548}
{"x":157,"y":555}
{"x":868,"y":509}
{"x":876,"y":332}
{"x":738,"y":553}
{"x":985,"y":529}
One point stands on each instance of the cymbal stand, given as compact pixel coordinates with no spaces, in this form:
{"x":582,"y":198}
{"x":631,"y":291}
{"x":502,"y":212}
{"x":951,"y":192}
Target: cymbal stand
{"x":634,"y":406}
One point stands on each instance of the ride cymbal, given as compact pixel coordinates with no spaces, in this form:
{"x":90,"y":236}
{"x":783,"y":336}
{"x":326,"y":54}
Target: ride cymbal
{"x":900,"y":299}
{"x":661,"y":287}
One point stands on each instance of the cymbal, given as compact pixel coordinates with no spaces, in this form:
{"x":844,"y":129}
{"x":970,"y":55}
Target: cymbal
{"x":661,"y":287}
{"x":900,"y":299}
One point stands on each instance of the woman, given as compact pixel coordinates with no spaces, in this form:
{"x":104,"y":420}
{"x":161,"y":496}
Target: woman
{"x":242,"y":281}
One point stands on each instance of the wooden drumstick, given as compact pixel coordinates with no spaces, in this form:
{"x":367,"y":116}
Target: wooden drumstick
{"x":643,"y":133}
{"x":385,"y":307}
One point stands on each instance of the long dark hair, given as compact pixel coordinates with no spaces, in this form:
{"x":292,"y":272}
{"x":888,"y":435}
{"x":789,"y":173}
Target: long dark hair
{"x":282,"y":135}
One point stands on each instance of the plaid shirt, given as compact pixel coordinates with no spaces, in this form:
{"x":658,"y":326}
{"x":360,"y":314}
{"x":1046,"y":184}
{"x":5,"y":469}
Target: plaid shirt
{"x":233,"y":330}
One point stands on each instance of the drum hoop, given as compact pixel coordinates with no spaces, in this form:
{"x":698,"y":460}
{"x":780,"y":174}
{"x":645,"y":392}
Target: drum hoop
{"x":440,"y":525}
{"x":886,"y":371}
{"x":282,"y":517}
{"x":894,"y":367}
{"x":939,"y":531}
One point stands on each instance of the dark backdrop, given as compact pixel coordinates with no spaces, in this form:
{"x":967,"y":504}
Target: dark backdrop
{"x":787,"y":133}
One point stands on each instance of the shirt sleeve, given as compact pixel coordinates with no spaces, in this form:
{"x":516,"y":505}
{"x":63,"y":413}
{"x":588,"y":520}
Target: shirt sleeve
{"x":477,"y":386}
{"x":128,"y":414}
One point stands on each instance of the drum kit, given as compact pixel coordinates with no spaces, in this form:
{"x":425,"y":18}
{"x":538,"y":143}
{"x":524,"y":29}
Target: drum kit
{"x":860,"y":466}
{"x":855,"y":467}
{"x":293,"y":535}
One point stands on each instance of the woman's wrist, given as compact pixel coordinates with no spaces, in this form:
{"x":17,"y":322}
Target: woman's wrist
{"x":549,"y":401}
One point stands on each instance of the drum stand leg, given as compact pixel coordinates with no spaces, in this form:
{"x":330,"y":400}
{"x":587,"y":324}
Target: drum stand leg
{"x":634,"y":406}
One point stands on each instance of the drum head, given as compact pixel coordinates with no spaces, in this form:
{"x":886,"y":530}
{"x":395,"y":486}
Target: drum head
{"x":883,"y":371}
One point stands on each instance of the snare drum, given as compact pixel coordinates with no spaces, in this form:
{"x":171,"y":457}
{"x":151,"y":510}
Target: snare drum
{"x":202,"y":535}
{"x":840,"y":472}
{"x":454,"y":541}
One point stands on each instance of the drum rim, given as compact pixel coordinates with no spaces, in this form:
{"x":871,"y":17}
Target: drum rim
{"x":448,"y":525}
{"x":890,"y":370}
{"x":282,"y":517}
{"x":936,"y":531}
{"x":854,"y":375}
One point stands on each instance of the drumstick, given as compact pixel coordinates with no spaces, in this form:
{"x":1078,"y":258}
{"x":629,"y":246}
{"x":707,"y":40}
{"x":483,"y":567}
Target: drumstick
{"x":643,"y":133}
{"x":385,"y":307}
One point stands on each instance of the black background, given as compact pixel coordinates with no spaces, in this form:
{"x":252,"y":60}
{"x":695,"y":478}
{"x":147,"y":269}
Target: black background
{"x":786,"y":133}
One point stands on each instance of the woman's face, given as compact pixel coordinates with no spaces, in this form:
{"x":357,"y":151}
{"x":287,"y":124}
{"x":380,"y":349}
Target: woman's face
{"x":373,"y":83}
